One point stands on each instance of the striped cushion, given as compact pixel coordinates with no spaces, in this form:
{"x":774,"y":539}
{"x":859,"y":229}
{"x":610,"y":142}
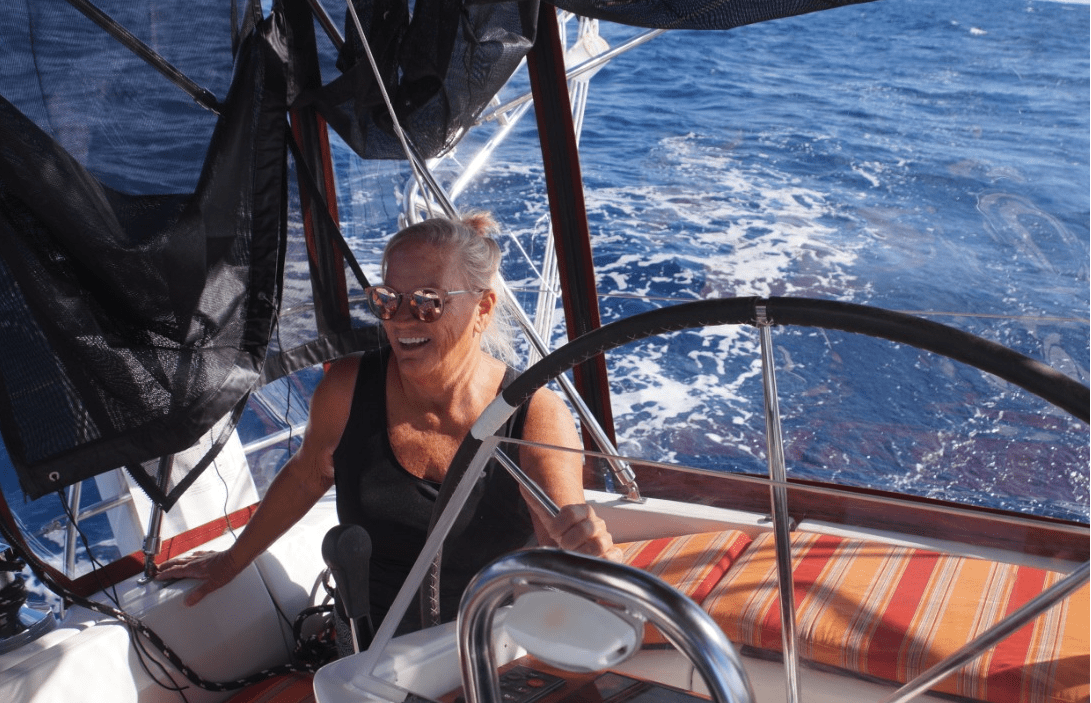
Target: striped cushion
{"x":289,"y":688}
{"x":892,"y":612}
{"x":693,"y":564}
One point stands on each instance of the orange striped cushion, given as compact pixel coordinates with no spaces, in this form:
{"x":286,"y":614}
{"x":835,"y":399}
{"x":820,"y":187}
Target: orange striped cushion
{"x":289,"y":688}
{"x":892,"y":612}
{"x":691,"y":563}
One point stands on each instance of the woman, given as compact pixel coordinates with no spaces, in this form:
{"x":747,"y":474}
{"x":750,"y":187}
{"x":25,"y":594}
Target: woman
{"x":385,"y":425}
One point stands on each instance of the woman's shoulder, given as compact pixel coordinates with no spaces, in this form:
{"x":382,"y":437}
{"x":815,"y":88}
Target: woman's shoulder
{"x":349,"y":364}
{"x":341,"y":375}
{"x":548,"y":418}
{"x":546,"y":402}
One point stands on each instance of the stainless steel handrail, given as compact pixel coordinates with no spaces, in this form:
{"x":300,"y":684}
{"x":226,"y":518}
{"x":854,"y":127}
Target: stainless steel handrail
{"x":75,"y":493}
{"x":295,"y":430}
{"x":577,"y":71}
{"x":778,"y":491}
{"x":61,"y":522}
{"x":681,"y":621}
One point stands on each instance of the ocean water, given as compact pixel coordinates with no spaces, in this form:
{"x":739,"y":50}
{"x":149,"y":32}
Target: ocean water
{"x":916,"y":155}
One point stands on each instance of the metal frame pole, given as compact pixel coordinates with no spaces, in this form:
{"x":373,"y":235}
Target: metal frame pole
{"x":779,"y":500}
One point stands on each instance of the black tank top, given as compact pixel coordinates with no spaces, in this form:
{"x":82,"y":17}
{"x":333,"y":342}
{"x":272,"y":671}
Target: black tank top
{"x":395,"y":507}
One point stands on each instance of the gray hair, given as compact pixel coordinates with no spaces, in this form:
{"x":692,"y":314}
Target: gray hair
{"x":477,"y":256}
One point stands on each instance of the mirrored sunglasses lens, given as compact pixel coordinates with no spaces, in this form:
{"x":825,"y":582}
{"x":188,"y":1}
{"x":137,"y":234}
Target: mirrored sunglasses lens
{"x":383,"y":302}
{"x":426,"y":304}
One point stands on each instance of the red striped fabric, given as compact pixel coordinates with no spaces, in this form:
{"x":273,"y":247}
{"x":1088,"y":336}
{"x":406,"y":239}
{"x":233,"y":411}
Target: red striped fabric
{"x":693,"y":564}
{"x":892,"y":612}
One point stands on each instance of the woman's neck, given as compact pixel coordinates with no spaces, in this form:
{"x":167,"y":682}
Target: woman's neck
{"x":464,"y":390}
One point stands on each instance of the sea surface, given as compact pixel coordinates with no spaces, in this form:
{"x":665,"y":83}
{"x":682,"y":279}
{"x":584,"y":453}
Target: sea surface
{"x":916,"y":155}
{"x":923,"y":156}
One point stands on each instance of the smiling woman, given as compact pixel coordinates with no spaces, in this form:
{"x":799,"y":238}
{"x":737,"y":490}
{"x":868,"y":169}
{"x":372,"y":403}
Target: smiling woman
{"x":470,"y":244}
{"x":384,"y":426}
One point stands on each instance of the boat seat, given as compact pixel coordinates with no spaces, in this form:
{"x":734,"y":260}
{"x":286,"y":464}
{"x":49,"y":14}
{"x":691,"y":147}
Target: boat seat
{"x":891,"y":612}
{"x":693,"y":564}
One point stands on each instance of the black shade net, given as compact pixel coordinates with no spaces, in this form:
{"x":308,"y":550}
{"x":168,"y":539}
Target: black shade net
{"x":440,"y":66}
{"x":696,"y":14}
{"x":144,"y":251}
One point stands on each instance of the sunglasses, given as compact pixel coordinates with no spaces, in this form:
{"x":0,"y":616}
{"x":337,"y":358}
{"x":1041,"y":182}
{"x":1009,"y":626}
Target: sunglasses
{"x":426,"y":304}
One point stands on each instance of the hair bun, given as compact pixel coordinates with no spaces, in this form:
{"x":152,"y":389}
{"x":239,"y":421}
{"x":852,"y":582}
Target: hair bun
{"x":480,"y":223}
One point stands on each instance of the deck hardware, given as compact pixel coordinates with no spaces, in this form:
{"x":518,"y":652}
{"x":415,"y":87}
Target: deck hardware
{"x":570,"y":632}
{"x":19,"y":623}
{"x":680,"y":620}
{"x":153,"y":541}
{"x":768,"y":519}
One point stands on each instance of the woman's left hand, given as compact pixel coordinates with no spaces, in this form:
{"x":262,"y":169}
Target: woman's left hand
{"x":577,"y":529}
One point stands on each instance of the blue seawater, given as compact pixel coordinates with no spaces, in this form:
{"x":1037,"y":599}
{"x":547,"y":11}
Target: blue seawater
{"x":919,"y":155}
{"x":916,"y":155}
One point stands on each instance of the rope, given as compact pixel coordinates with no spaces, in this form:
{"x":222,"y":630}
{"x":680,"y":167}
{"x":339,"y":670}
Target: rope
{"x":42,"y":572}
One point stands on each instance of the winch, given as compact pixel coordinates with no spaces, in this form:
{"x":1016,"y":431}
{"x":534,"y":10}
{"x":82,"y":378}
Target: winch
{"x":19,"y":623}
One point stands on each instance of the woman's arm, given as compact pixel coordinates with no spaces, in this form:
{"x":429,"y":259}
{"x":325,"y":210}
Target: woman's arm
{"x":303,"y":480}
{"x":560,"y":475}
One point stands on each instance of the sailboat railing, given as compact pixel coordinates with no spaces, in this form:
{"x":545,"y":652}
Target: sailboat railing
{"x":287,"y":433}
{"x":778,"y":491}
{"x":581,"y":69}
{"x":85,"y":513}
{"x":75,"y":494}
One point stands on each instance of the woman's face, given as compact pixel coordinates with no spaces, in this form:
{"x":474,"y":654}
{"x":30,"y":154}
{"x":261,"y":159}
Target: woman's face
{"x":439,"y":347}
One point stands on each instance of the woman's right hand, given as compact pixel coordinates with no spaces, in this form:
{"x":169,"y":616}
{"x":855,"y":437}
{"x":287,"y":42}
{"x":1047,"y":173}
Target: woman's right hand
{"x":214,"y":569}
